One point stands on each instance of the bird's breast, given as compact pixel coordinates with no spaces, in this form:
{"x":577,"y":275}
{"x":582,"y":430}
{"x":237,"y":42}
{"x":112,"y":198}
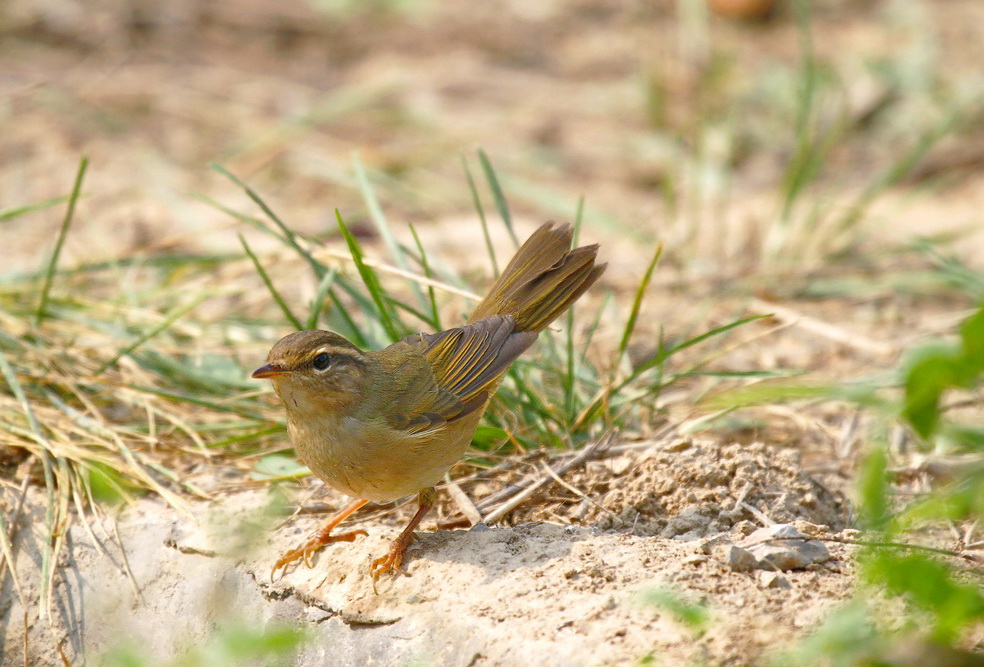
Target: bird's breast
{"x":373,"y":461}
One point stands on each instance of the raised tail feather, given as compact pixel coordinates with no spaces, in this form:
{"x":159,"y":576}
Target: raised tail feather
{"x":542,"y":280}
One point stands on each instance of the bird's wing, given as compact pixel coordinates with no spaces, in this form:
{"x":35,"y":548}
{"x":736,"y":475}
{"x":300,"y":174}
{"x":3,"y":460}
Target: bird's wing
{"x":468,"y":360}
{"x":466,"y":364}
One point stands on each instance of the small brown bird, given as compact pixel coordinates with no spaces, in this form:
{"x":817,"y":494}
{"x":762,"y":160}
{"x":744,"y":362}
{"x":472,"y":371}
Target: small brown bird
{"x":380,"y":425}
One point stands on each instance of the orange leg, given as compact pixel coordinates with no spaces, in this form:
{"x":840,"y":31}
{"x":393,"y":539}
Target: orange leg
{"x":390,"y":563}
{"x":321,"y":538}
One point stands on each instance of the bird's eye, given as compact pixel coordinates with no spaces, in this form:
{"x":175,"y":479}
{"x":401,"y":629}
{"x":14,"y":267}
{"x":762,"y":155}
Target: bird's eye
{"x":321,"y":362}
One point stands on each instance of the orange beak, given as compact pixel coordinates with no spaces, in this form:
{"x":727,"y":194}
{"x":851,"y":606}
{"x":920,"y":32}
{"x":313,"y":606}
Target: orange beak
{"x":269,"y":371}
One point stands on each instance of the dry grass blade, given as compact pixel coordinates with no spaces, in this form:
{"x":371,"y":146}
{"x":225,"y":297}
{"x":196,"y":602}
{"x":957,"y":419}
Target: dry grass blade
{"x":8,"y":530}
{"x":383,"y":267}
{"x":56,"y":518}
{"x":826,"y":329}
{"x":533,"y":483}
{"x":464,"y":503}
{"x":577,"y":492}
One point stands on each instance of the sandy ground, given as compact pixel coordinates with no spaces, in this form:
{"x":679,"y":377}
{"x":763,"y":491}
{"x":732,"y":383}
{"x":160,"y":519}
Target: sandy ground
{"x":529,"y":593}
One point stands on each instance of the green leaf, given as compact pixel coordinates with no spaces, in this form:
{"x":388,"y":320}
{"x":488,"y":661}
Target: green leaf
{"x":928,"y":584}
{"x":873,"y":481}
{"x":972,"y":339}
{"x":848,"y":636}
{"x":696,"y":617}
{"x":931,"y":370}
{"x":278,"y":466}
{"x":107,"y":485}
{"x":488,"y":438}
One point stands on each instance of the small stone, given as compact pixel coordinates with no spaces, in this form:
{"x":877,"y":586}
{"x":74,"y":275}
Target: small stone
{"x":810,"y":528}
{"x":695,"y":559}
{"x":739,"y":560}
{"x":783,"y":547}
{"x":779,"y":531}
{"x":679,"y":446}
{"x":708,"y":545}
{"x":791,"y":555}
{"x":690,"y":523}
{"x":773,"y":580}
{"x":619,"y":465}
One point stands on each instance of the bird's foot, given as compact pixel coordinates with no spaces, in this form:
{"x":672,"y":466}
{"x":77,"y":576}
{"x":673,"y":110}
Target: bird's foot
{"x":311,"y":547}
{"x":391,"y":562}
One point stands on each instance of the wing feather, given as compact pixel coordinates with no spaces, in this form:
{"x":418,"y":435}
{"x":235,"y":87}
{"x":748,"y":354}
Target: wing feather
{"x":469,"y":360}
{"x":465,"y":365}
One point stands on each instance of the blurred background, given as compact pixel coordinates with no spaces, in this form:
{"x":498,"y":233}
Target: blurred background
{"x":815,"y":171}
{"x":747,"y":135}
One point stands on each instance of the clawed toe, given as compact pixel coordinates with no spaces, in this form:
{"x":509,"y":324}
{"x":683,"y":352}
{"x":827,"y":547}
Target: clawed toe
{"x":388,"y":564}
{"x":308,"y":549}
{"x":393,"y":560}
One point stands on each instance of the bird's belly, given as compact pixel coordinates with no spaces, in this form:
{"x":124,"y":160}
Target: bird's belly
{"x":373,"y":462}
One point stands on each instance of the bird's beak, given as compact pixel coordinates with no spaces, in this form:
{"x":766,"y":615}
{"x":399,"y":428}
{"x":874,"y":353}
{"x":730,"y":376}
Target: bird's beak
{"x":269,"y":371}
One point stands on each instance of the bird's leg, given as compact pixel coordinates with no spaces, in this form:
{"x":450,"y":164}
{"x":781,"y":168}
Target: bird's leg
{"x":390,"y":563}
{"x":321,"y":538}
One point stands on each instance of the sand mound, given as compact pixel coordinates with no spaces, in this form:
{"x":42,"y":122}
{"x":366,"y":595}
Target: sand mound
{"x":687,"y":490}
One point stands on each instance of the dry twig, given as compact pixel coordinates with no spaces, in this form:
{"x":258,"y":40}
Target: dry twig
{"x":533,"y":483}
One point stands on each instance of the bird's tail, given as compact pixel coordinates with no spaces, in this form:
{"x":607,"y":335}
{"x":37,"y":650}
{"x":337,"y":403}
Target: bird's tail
{"x":542,"y":280}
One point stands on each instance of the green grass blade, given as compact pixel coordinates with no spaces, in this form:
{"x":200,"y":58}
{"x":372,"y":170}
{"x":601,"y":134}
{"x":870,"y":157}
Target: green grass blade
{"x":176,"y":261}
{"x":12,"y":213}
{"x":497,"y":195}
{"x":288,"y":237}
{"x":376,"y":214}
{"x":383,"y":227}
{"x":62,"y":233}
{"x":269,"y":284}
{"x":805,"y":160}
{"x":897,"y":171}
{"x":241,"y":217}
{"x":199,"y":401}
{"x":170,"y":319}
{"x":318,"y":303}
{"x":640,"y":294}
{"x":665,"y":353}
{"x":371,"y":281}
{"x":352,"y":330}
{"x":569,"y":379}
{"x":578,"y":220}
{"x":717,"y":331}
{"x":406,"y":308}
{"x":435,"y":317}
{"x":477,"y":201}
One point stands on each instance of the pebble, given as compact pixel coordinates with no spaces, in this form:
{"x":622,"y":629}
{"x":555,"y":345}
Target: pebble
{"x":773,"y":580}
{"x":740,"y":560}
{"x":782,"y":547}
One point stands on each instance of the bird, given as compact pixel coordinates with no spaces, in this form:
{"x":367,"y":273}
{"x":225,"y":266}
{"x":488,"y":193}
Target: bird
{"x":379,"y":425}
